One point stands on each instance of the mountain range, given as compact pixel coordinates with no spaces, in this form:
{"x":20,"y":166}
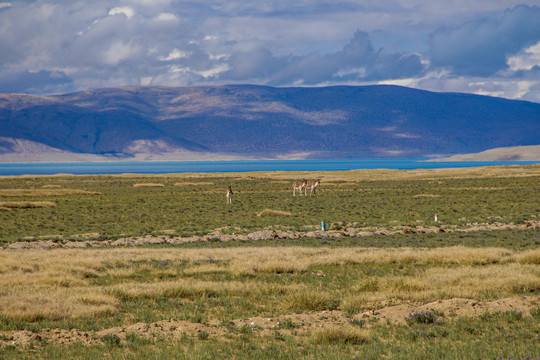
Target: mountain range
{"x":247,"y":121}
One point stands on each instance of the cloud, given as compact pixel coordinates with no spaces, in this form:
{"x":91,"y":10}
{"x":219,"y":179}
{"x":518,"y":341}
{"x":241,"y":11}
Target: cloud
{"x":120,"y":51}
{"x":358,"y":60}
{"x":485,"y":46}
{"x":525,"y":59}
{"x":122,"y":10}
{"x":166,"y":17}
{"x":481,"y":47}
{"x":175,"y":54}
{"x":523,"y":85}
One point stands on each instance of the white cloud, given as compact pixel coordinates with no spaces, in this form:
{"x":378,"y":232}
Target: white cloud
{"x":406,"y":136}
{"x":526,"y":59}
{"x":359,"y":72}
{"x":150,"y":2}
{"x":122,"y":10}
{"x":175,"y":54}
{"x":213,"y":71}
{"x":5,"y":5}
{"x":166,"y":17}
{"x":118,"y":52}
{"x":180,"y":69}
{"x":502,"y":85}
{"x":515,"y":89}
{"x":146,"y":81}
{"x":219,"y":56}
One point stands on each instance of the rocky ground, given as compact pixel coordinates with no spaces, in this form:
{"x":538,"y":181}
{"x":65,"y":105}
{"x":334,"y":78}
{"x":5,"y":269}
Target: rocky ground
{"x":93,"y":239}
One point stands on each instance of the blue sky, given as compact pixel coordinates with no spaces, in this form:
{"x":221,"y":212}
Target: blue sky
{"x":482,"y":46}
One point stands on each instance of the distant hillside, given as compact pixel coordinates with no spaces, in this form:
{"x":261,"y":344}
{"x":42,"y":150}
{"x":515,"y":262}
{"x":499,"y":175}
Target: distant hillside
{"x":259,"y":121}
{"x":513,"y":153}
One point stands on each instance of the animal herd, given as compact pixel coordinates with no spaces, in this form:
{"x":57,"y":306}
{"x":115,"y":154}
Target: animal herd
{"x":297,"y":186}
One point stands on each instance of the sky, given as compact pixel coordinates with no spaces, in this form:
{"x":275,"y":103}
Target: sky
{"x":488,"y":47}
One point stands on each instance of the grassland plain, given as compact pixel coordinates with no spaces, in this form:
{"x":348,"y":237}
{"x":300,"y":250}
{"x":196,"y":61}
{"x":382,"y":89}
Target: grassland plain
{"x":194,"y":204}
{"x":409,"y":295}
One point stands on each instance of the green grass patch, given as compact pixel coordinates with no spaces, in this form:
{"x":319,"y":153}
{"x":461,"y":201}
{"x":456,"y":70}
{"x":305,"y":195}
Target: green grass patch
{"x":115,"y":206}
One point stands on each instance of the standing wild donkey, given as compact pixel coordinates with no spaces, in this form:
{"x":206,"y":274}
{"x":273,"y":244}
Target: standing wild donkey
{"x":312,"y":186}
{"x":229,"y":195}
{"x":299,"y":186}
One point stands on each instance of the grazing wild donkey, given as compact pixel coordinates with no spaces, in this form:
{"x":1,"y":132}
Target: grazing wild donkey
{"x":299,"y":186}
{"x":229,"y":195}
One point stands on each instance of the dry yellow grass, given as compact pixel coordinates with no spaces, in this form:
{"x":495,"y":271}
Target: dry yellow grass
{"x":353,"y":176}
{"x":270,"y":212}
{"x":61,"y":282}
{"x":469,"y":282}
{"x":34,"y":304}
{"x":187,"y":288}
{"x":187,"y":183}
{"x":145,"y":185}
{"x":426,"y":196}
{"x":8,"y":205}
{"x":309,"y":299}
{"x":45,"y":192}
{"x":341,"y":334}
{"x":527,"y":257}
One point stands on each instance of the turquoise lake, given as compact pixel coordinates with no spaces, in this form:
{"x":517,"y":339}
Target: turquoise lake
{"x":167,"y":167}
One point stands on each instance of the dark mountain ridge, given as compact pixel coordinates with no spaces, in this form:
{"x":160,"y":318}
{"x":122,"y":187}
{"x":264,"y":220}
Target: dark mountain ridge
{"x":260,"y":121}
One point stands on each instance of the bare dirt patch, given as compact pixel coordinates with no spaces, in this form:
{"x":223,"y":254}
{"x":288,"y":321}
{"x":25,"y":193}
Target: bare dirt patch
{"x":296,"y":324}
{"x":454,"y":308}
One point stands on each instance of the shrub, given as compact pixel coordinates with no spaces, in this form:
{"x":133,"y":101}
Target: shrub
{"x":203,"y":335}
{"x":357,"y":322}
{"x":287,"y":324}
{"x":111,"y":340}
{"x":421,"y":317}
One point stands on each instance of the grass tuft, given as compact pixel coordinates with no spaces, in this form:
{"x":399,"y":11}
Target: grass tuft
{"x":44,"y":192}
{"x":270,"y":212}
{"x":341,"y":335}
{"x":147,"y":185}
{"x":189,"y":183}
{"x":26,"y":204}
{"x":310,"y":300}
